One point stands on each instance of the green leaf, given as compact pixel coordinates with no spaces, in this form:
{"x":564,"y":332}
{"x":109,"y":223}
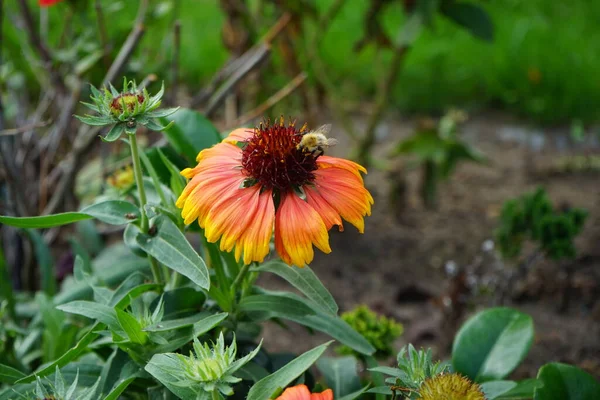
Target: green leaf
{"x":354,"y":395}
{"x":332,"y":325}
{"x":280,"y":306}
{"x":491,"y":344}
{"x":90,"y":309}
{"x":115,"y":133}
{"x":44,"y":260}
{"x":170,"y":247}
{"x":45,"y":221}
{"x":191,"y":133}
{"x":506,"y":390}
{"x":305,"y":280}
{"x":201,"y":319}
{"x":132,"y":327}
{"x":266,"y":387}
{"x":524,"y":390}
{"x":340,"y":374}
{"x":472,"y":17}
{"x":164,"y":367}
{"x":494,"y":389}
{"x":9,"y":374}
{"x":566,"y":382}
{"x":113,"y":212}
{"x":66,"y":358}
{"x":381,"y":390}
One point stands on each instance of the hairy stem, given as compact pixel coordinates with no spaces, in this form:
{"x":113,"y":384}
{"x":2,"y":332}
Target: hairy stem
{"x":137,"y":171}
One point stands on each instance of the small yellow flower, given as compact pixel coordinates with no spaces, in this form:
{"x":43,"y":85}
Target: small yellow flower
{"x":121,"y":179}
{"x":450,"y":387}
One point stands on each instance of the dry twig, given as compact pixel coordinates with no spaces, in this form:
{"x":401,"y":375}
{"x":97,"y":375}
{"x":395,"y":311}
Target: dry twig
{"x":271,"y":101}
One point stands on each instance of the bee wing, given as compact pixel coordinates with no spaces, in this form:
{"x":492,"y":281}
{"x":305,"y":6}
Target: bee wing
{"x":323,"y":129}
{"x":332,"y":141}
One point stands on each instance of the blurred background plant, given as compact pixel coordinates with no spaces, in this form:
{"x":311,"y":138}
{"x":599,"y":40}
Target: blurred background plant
{"x":353,"y":62}
{"x":533,"y":217}
{"x":438,"y":149}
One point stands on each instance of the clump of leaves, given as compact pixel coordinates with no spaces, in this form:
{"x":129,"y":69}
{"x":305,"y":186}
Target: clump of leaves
{"x":379,"y":330}
{"x":438,"y":150}
{"x":58,"y":389}
{"x":533,"y":217}
{"x":414,"y":368}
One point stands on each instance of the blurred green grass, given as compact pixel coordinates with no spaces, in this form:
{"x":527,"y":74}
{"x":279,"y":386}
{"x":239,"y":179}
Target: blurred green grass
{"x":542,"y":65}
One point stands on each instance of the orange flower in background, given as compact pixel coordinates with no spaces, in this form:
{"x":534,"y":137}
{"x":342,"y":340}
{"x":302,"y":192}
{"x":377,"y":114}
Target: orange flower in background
{"x":46,"y":3}
{"x":301,"y":392}
{"x":260,"y":180}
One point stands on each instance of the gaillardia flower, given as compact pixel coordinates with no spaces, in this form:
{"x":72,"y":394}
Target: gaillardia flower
{"x":262,"y":180}
{"x":450,"y":387}
{"x":301,"y":392}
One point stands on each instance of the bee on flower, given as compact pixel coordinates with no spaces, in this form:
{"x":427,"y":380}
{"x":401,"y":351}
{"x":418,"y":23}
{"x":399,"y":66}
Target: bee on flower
{"x":315,"y":142}
{"x":277,"y":181}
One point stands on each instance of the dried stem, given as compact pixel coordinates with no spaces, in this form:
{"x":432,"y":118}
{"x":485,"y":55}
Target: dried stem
{"x":130,"y":44}
{"x":23,"y":129}
{"x":236,"y":63}
{"x":37,"y":42}
{"x":320,"y":70}
{"x":216,"y":99}
{"x":271,"y":101}
{"x":103,"y":34}
{"x":366,"y":143}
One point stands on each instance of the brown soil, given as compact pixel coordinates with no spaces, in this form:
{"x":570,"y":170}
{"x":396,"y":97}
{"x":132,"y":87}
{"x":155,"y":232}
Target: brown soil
{"x":400,"y":266}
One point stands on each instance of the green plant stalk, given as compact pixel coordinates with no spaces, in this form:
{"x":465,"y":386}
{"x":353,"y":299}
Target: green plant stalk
{"x":239,"y":278}
{"x":216,"y":395}
{"x":137,"y":171}
{"x":6,"y":286}
{"x":429,"y":184}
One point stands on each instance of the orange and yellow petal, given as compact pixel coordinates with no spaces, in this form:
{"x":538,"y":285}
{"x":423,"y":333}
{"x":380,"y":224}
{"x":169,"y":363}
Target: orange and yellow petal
{"x":242,"y":219}
{"x":329,"y":215}
{"x":298,"y":392}
{"x":334,"y":162}
{"x":326,"y":395}
{"x":297,"y":227}
{"x":346,"y":194}
{"x":255,"y":240}
{"x":239,"y":135}
{"x":301,"y":392}
{"x":222,"y":154}
{"x":204,"y":191}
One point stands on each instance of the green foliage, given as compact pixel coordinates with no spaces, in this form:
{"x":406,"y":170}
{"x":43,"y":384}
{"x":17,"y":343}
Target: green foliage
{"x":438,"y":149}
{"x":379,"y":330}
{"x":208,"y":369}
{"x":533,"y":217}
{"x":566,"y":382}
{"x":414,"y":367}
{"x":491,"y":344}
{"x":341,"y":374}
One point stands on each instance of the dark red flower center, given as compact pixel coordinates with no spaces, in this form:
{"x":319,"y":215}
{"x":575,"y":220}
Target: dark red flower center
{"x":129,"y":99}
{"x":272,"y":159}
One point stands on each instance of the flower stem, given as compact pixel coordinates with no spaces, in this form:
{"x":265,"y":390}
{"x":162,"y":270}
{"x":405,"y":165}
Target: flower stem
{"x":216,"y":395}
{"x":240,"y":277}
{"x":137,"y":171}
